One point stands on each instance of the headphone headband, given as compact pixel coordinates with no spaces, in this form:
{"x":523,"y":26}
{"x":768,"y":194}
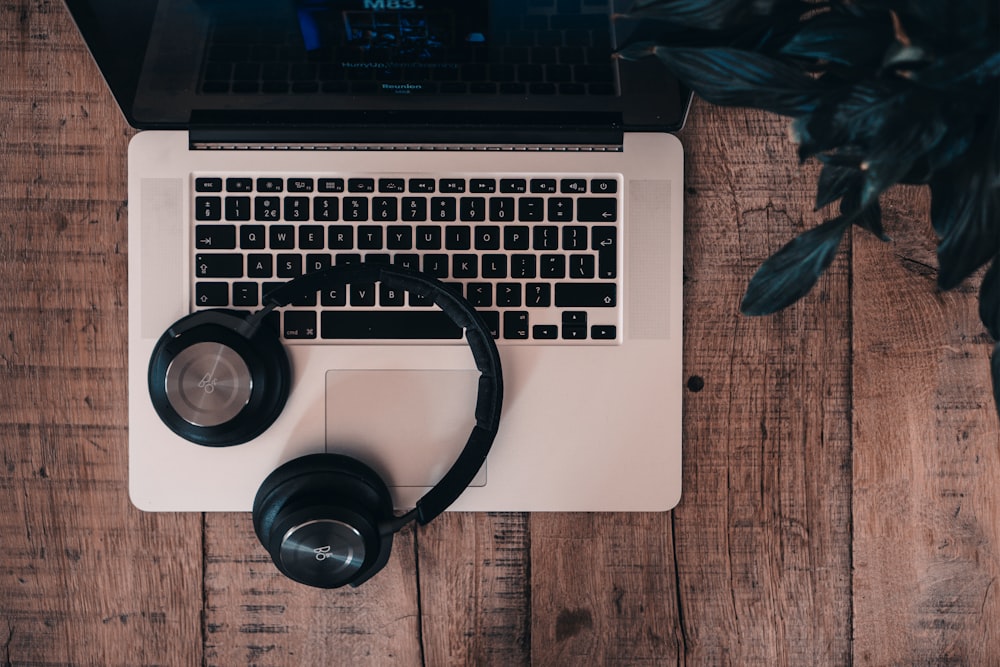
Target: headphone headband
{"x":489,"y":401}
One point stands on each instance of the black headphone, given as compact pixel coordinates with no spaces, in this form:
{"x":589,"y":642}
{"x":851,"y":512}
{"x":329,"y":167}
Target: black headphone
{"x":221,"y":377}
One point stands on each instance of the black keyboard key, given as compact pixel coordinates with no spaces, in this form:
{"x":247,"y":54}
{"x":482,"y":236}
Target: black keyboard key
{"x":546,"y":238}
{"x":531,"y":209}
{"x":208,"y":185}
{"x":356,"y":208}
{"x":414,"y":209}
{"x":515,"y":325}
{"x":211,"y":294}
{"x":253,"y":237}
{"x":545,"y":332}
{"x":270,"y":185}
{"x":260,"y":265}
{"x":361,"y":185}
{"x":552,"y":266}
{"x":362,"y":294}
{"x":480,"y":295}
{"x":483,"y":185}
{"x":516,"y":237}
{"x":297,"y":208}
{"x":326,"y":208}
{"x":245,"y":295}
{"x":239,"y":185}
{"x":266,"y":208}
{"x":543,"y":185}
{"x":282,"y":237}
{"x":513,"y":185}
{"x":399,"y":237}
{"x":560,"y":209}
{"x":312,"y":237}
{"x":602,"y":186}
{"x":523,"y":266}
{"x":381,"y":325}
{"x":391,"y":185}
{"x":215,"y":237}
{"x":341,"y":237}
{"x":300,"y":185}
{"x":487,"y":237}
{"x":428,"y":237}
{"x":238,"y":208}
{"x":457,"y":237}
{"x":369,"y":237}
{"x":331,"y":185}
{"x":585,"y":295}
{"x":443,"y":209}
{"x":218,"y":266}
{"x":604,"y":332}
{"x":573,"y":186}
{"x":581,"y":266}
{"x":494,"y":266}
{"x":436,"y":265}
{"x":424,"y":185}
{"x":538,"y":295}
{"x":472,"y":209}
{"x":299,"y":324}
{"x":452,"y":185}
{"x":501,"y":209}
{"x":385,"y":209}
{"x":605,"y":241}
{"x":465,"y":266}
{"x":597,"y":209}
{"x":508,"y":295}
{"x":289,"y":266}
{"x":208,"y":208}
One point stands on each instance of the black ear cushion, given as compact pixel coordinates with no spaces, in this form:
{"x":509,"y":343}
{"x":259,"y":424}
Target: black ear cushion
{"x":321,"y":479}
{"x":321,"y":487}
{"x":263,"y":355}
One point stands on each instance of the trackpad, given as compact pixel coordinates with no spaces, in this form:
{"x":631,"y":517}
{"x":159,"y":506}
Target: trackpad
{"x":409,"y":425}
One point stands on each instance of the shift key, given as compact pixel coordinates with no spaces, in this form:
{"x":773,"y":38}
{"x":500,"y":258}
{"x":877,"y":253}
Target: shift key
{"x":586,"y":295}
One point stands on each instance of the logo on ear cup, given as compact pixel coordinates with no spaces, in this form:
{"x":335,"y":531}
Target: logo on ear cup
{"x":208,"y":384}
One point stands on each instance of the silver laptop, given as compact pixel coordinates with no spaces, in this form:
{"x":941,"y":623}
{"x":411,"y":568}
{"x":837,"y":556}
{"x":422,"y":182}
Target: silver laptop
{"x":495,"y":145}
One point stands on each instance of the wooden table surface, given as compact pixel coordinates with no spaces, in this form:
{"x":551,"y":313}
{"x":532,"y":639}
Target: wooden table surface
{"x":841,"y":503}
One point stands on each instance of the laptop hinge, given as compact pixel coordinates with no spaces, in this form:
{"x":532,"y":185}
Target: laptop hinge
{"x":385,"y":131}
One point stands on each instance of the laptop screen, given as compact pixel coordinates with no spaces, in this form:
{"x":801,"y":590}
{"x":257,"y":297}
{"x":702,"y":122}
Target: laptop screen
{"x":168,"y":61}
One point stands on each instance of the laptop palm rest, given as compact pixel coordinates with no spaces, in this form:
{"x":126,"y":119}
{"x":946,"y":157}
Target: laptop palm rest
{"x":409,"y":425}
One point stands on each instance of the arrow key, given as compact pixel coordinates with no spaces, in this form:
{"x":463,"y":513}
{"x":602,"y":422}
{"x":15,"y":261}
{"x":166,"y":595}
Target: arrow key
{"x":215,"y":237}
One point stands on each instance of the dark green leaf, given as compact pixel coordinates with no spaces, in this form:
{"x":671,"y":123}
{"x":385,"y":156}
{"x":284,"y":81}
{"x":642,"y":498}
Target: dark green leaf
{"x":732,"y":77}
{"x":840,"y":39}
{"x":834,"y":182}
{"x":790,"y":273}
{"x":965,"y":210}
{"x":989,"y":300}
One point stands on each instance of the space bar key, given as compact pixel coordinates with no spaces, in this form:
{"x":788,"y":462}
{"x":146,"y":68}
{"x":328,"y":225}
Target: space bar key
{"x":387,"y":325}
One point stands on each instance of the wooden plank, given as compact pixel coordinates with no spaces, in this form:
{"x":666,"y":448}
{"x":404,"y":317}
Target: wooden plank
{"x":603,"y":590}
{"x":85,"y":579}
{"x":763,"y":532}
{"x":256,"y":615}
{"x":926,"y":461}
{"x":475,"y":589}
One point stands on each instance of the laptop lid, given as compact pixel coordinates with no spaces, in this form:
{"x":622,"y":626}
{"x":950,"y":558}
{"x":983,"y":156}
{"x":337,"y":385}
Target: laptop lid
{"x":245,"y":68}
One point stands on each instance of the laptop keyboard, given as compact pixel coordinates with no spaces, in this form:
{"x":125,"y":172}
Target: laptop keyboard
{"x":538,"y":256}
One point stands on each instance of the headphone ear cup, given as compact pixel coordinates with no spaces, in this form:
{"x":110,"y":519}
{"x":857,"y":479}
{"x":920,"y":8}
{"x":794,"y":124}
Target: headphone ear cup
{"x":322,"y":518}
{"x":213,"y":384}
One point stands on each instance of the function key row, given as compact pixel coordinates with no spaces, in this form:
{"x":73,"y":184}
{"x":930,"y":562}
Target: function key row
{"x":414,"y":185}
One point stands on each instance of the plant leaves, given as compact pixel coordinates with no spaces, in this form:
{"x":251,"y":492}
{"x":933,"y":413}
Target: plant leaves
{"x":790,"y":273}
{"x":704,"y":14}
{"x":989,"y":300}
{"x":964,"y":212}
{"x":733,"y":77}
{"x":840,"y":39}
{"x":835,"y":181}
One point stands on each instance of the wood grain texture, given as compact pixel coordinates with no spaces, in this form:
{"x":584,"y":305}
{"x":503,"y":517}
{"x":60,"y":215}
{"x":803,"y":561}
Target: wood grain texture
{"x":763,"y":531}
{"x":926,"y":457}
{"x":84,"y":578}
{"x":840,"y":457}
